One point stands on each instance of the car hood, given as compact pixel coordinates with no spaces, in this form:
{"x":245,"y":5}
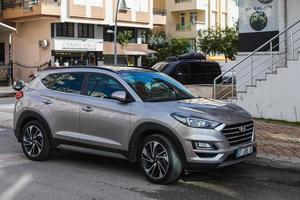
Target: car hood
{"x":219,"y":111}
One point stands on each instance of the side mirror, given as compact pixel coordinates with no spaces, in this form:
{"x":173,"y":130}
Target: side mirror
{"x":19,"y":85}
{"x":120,"y":96}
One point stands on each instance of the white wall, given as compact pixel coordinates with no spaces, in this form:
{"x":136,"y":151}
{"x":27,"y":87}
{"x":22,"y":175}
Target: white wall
{"x":276,"y":98}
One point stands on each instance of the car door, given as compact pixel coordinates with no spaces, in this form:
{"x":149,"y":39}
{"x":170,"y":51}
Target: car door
{"x":104,"y":122}
{"x":182,"y":73}
{"x":62,"y":102}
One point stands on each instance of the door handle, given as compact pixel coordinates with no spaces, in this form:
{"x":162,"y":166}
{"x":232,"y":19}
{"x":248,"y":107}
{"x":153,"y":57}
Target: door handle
{"x":47,"y":101}
{"x":87,"y":109}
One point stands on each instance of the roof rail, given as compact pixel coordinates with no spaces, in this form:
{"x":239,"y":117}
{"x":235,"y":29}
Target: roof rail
{"x":78,"y":67}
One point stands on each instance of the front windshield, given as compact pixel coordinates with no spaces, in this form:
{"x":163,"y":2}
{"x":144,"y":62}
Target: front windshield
{"x":155,"y":87}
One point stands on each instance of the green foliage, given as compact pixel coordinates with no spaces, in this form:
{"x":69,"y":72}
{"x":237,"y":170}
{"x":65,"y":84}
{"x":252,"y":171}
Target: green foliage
{"x":219,"y":41}
{"x":165,"y":47}
{"x":124,"y":37}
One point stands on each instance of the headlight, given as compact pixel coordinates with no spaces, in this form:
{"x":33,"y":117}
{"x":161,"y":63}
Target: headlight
{"x":195,"y":122}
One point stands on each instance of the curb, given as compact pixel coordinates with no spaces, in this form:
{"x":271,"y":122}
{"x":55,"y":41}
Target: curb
{"x":280,"y":162}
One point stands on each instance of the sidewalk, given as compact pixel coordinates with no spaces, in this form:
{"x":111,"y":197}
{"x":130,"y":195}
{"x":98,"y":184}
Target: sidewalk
{"x":6,"y":91}
{"x":278,"y":145}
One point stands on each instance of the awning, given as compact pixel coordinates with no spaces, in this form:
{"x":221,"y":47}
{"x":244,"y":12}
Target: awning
{"x":6,"y":28}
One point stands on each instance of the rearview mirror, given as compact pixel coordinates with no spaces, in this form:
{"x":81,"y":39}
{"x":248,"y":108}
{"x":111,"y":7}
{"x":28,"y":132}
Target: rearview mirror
{"x":19,"y":85}
{"x":120,"y":96}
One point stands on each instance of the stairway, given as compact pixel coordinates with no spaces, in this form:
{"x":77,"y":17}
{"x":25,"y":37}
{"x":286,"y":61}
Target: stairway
{"x":268,"y":83}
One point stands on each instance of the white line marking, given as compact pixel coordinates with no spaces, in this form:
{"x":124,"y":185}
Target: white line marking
{"x":16,"y":188}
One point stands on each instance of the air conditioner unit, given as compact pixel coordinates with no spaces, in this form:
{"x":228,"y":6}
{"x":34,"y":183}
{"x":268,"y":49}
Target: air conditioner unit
{"x":44,"y":44}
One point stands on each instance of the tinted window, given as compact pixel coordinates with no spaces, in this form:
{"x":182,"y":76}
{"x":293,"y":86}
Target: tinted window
{"x":86,"y":31}
{"x":64,"y":30}
{"x":68,"y":82}
{"x":102,"y":86}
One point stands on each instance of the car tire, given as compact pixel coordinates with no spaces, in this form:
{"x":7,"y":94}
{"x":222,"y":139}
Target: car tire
{"x":159,"y":160}
{"x":35,"y":141}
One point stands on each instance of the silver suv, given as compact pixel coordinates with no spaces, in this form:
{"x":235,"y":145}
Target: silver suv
{"x":140,"y":114}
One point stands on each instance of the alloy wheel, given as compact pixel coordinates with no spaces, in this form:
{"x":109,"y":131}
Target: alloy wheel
{"x":155,"y":160}
{"x":33,"y":141}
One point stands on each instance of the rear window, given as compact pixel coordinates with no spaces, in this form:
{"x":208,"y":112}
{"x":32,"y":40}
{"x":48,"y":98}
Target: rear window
{"x":66,"y":82}
{"x":160,"y":66}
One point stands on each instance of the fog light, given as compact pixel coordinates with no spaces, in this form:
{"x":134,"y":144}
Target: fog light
{"x":202,"y":145}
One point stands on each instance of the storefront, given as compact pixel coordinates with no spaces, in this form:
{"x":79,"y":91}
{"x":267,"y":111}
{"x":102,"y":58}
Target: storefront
{"x":77,"y":45}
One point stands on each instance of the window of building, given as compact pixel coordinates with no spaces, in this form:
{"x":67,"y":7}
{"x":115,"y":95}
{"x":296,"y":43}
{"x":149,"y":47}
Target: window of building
{"x":214,"y":5}
{"x":193,"y":18}
{"x":68,"y":82}
{"x":214,"y":19}
{"x":182,"y":19}
{"x":2,"y":53}
{"x":64,"y":30}
{"x":86,"y":31}
{"x":224,"y":20}
{"x":102,"y":86}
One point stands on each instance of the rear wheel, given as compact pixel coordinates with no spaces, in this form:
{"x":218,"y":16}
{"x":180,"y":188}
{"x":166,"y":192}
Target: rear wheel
{"x":159,"y":160}
{"x":35,"y":141}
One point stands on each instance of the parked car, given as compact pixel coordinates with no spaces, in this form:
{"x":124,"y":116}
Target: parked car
{"x":190,"y":70}
{"x":143,"y":115}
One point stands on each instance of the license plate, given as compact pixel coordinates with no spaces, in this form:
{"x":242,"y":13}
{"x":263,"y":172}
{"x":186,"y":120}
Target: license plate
{"x":244,"y":151}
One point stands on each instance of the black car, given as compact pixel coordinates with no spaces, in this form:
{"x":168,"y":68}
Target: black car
{"x":190,"y":69}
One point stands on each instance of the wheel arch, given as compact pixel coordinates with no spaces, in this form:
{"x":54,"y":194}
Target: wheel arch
{"x":28,"y":116}
{"x":149,"y":128}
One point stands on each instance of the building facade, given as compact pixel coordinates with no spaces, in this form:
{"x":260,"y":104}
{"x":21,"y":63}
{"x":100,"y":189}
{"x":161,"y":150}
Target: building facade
{"x":185,"y":18}
{"x":75,"y":32}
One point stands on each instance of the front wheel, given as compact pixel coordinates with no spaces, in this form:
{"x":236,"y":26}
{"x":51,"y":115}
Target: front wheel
{"x":35,"y":141}
{"x":159,"y":160}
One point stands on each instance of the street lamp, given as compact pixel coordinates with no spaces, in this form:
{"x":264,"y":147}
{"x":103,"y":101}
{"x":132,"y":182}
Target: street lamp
{"x":122,"y":8}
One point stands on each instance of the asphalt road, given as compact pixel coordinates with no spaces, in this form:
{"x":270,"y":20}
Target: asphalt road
{"x":7,"y":100}
{"x":73,"y":175}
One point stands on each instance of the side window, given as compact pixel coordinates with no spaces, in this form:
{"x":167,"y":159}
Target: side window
{"x":68,"y":82}
{"x":102,"y":86}
{"x":183,"y":69}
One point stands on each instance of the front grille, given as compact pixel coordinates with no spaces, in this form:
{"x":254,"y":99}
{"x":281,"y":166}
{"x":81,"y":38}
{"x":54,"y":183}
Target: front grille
{"x":237,"y":134}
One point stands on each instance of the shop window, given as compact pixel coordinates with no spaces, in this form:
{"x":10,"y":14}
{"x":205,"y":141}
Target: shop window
{"x":64,"y":30}
{"x":86,"y":31}
{"x":69,"y":83}
{"x":102,"y":86}
{"x":2,"y":53}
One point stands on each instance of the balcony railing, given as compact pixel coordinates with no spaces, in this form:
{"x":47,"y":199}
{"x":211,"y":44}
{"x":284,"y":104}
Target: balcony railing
{"x":184,"y":27}
{"x":26,"y":3}
{"x":162,"y":12}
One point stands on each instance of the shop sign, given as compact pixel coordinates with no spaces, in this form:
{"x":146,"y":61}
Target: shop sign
{"x":77,"y":45}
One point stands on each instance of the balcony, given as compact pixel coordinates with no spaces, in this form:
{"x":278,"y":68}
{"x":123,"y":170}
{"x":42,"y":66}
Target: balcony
{"x":159,"y":17}
{"x":188,"y":30}
{"x":184,"y":5}
{"x":131,"y":49}
{"x":23,"y":10}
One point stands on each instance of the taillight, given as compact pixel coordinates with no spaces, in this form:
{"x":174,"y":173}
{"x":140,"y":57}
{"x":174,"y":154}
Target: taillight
{"x":19,"y":95}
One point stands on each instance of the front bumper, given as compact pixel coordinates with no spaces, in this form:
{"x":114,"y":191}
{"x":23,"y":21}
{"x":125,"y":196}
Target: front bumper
{"x":224,"y":154}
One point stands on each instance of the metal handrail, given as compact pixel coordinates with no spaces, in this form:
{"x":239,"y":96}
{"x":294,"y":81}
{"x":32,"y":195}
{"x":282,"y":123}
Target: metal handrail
{"x":269,"y":42}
